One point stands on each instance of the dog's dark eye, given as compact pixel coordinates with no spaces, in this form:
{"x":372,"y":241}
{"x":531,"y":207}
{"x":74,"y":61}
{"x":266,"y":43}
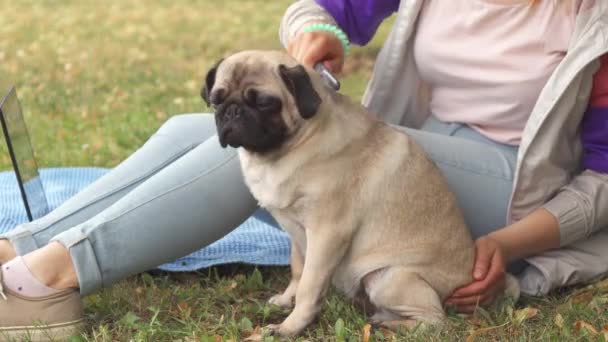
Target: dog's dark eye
{"x":217,"y":97}
{"x":262,"y":102}
{"x":268,"y":103}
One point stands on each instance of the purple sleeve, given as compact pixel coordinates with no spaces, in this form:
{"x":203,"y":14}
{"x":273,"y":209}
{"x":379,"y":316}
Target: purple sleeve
{"x":594,"y":131}
{"x":359,"y":19}
{"x":595,"y":139}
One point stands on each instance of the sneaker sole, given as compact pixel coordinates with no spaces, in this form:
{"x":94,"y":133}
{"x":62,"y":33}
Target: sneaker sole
{"x":52,"y":332}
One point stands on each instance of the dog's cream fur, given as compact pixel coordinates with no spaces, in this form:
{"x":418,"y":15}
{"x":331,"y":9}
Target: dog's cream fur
{"x":365,"y":208}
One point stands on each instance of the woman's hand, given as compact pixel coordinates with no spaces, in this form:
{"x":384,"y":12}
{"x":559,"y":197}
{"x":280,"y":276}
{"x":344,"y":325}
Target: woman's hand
{"x":309,"y":48}
{"x":534,"y":234}
{"x":488,"y":277}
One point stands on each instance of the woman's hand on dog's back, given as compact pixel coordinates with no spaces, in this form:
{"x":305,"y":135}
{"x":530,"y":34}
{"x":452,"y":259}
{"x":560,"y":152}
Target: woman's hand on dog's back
{"x":309,"y":48}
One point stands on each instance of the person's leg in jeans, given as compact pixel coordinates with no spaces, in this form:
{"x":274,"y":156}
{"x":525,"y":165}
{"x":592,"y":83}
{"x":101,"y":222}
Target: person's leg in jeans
{"x":478,"y":170}
{"x":173,"y":139}
{"x":179,"y":192}
{"x":188,"y":202}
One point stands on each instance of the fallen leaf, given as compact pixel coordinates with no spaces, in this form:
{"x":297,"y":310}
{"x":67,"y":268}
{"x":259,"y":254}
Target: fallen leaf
{"x":602,"y":286}
{"x":255,"y":335}
{"x":183,"y":306}
{"x":559,"y":320}
{"x":366,"y":332}
{"x":233,"y":285}
{"x":605,"y":332}
{"x":388,"y":334}
{"x":580,"y":325}
{"x":524,"y":314}
{"x":584,"y":298}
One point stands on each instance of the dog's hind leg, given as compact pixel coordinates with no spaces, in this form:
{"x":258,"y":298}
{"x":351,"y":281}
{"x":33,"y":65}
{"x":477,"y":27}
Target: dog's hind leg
{"x":285,"y":299}
{"x":403,"y":298}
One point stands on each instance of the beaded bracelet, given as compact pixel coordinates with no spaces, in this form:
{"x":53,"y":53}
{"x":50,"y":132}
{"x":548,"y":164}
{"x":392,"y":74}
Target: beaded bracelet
{"x":331,"y":29}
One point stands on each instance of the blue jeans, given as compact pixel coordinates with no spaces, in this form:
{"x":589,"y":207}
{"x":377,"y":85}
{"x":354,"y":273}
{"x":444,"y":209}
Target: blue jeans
{"x":181,"y":191}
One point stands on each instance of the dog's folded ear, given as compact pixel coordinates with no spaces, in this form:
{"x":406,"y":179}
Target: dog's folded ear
{"x":300,"y":86}
{"x":209,"y":82}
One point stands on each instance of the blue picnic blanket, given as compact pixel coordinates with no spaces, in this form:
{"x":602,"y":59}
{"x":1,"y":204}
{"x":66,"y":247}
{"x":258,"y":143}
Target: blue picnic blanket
{"x":253,"y":242}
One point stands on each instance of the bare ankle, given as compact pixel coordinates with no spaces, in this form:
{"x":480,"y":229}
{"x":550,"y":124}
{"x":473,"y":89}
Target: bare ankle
{"x":53,"y":266}
{"x":7,"y":252}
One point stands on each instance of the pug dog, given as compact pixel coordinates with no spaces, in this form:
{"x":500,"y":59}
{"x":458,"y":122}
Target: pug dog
{"x":365,"y":209}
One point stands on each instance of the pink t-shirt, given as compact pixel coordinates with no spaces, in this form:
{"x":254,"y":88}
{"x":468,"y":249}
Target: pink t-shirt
{"x":488,"y":60}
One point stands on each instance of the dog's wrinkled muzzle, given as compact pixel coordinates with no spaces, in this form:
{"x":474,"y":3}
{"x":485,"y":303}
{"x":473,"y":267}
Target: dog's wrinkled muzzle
{"x":229,"y":124}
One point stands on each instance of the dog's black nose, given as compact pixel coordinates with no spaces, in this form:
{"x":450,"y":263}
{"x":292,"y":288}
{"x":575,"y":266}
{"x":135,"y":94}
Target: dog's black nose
{"x":232,"y":112}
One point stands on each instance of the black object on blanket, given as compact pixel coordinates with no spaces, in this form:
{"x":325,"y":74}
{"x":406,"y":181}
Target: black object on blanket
{"x":22,"y":156}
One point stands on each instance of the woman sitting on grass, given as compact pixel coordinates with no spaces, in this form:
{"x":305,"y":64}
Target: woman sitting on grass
{"x":508,"y":97}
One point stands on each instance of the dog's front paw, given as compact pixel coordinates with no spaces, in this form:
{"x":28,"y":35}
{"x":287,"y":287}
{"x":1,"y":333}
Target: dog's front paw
{"x":280,"y":330}
{"x":271,"y":329}
{"x":282,"y":301}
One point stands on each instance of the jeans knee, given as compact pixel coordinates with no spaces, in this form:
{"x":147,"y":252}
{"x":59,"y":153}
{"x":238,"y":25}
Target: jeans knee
{"x":189,"y":128}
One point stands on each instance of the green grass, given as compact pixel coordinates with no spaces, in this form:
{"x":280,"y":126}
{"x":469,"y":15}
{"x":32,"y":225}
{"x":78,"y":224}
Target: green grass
{"x":96,"y":79}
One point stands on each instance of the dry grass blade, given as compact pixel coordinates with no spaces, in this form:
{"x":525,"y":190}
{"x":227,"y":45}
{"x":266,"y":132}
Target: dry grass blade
{"x":366,"y":332}
{"x":524,"y":314}
{"x":476,"y":332}
{"x":582,"y":325}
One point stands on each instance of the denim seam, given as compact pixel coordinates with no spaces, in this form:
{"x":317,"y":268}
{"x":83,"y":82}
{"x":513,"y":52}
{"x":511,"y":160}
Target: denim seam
{"x":184,"y":147}
{"x":172,"y":189}
{"x":459,"y":166}
{"x":183,"y":150}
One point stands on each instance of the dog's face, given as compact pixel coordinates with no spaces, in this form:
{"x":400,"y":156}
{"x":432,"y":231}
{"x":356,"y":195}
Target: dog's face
{"x":261,"y":99}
